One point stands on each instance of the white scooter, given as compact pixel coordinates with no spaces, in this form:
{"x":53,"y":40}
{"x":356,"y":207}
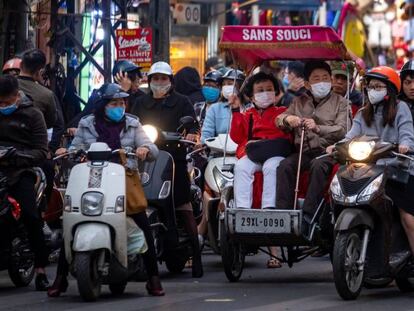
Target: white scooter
{"x":95,"y":225}
{"x":223,"y":152}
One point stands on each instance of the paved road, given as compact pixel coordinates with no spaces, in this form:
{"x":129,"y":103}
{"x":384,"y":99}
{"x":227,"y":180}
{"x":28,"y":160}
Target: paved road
{"x":307,"y":286}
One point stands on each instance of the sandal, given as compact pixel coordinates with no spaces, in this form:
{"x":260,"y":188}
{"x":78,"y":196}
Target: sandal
{"x":273,"y":263}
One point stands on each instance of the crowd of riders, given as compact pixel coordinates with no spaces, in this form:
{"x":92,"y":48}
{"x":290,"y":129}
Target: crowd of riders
{"x":270,"y":106}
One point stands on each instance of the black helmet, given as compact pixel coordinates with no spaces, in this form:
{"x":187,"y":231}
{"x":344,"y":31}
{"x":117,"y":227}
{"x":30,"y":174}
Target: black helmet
{"x":407,"y":69}
{"x":126,"y":66}
{"x":214,"y":76}
{"x":232,"y":73}
{"x":110,"y":91}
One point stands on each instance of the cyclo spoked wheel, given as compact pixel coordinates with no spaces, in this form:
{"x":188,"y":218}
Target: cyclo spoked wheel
{"x":232,"y":255}
{"x":347,"y":276}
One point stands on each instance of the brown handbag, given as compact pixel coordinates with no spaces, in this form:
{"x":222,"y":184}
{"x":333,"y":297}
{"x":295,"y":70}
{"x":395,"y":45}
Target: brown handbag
{"x":136,"y":201}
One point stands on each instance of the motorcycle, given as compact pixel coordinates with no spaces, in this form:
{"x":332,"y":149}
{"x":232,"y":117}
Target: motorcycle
{"x":95,"y":225}
{"x":222,"y":152}
{"x":370,"y":248}
{"x":173,"y":245}
{"x":15,"y":254}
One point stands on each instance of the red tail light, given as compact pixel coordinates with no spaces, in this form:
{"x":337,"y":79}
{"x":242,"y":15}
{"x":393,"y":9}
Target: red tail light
{"x":16,"y":210}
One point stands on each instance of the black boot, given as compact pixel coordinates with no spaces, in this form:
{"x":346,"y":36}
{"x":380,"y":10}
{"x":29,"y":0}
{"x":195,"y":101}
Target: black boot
{"x":41,"y":282}
{"x":197,"y":267}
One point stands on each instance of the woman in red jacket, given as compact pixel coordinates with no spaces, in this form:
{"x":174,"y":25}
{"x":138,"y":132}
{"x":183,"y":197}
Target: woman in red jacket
{"x":257,"y":123}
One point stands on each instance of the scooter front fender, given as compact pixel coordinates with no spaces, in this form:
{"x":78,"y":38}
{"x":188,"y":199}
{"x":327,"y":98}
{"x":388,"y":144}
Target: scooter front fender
{"x":353,"y":217}
{"x":92,"y":236}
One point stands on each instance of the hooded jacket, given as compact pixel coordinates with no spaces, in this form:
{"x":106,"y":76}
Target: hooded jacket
{"x":25,"y":130}
{"x":187,"y":82}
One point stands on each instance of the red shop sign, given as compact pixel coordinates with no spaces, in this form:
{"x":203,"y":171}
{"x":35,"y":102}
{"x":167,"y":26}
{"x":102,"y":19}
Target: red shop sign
{"x":135,"y":45}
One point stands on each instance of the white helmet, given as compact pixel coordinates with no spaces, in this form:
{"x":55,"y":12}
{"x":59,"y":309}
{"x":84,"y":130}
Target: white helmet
{"x":160,"y":67}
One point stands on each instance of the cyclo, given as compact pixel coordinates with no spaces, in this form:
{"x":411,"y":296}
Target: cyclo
{"x":246,"y":231}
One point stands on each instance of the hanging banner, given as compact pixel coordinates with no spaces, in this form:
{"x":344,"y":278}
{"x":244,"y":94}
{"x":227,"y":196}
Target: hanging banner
{"x":135,"y":45}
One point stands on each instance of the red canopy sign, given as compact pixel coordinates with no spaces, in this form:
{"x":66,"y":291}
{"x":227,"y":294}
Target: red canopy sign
{"x":135,"y":45}
{"x":251,"y":45}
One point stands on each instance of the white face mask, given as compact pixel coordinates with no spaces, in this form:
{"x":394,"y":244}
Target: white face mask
{"x":376,"y":96}
{"x":227,"y":90}
{"x":264,"y":99}
{"x":160,"y":90}
{"x":321,"y":89}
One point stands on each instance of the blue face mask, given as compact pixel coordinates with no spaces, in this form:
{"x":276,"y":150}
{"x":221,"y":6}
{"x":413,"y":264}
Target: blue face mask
{"x":8,"y":110}
{"x":211,"y":94}
{"x":285,"y":82}
{"x":115,"y":113}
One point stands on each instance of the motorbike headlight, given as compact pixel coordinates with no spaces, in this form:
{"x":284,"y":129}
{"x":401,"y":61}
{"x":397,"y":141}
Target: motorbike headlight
{"x":336,"y":189}
{"x":92,"y":203}
{"x":369,"y":190}
{"x":151,"y":132}
{"x":220,"y":179}
{"x":360,"y":150}
{"x":67,"y":203}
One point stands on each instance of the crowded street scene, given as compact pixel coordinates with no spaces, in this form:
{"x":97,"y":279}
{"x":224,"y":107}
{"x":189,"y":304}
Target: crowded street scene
{"x":206,"y":154}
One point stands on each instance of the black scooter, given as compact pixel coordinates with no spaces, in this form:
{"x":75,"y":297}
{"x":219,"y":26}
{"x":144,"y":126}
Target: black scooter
{"x":157,"y":177}
{"x":15,"y":254}
{"x":370,"y":248}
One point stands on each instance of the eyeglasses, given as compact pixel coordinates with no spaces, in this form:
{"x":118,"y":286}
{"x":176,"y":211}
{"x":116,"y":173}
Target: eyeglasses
{"x":377,"y":87}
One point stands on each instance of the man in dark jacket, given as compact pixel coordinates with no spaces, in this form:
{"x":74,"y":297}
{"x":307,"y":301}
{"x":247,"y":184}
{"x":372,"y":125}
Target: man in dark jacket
{"x":163,"y":108}
{"x":23,"y":127}
{"x":187,"y":82}
{"x":33,"y":62}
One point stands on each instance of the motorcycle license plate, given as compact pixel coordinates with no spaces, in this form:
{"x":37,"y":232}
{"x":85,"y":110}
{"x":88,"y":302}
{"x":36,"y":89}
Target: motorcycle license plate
{"x":259,"y":222}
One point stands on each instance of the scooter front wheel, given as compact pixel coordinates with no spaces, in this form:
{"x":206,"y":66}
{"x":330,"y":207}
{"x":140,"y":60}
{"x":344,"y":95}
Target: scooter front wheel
{"x":87,"y":275}
{"x":348,"y":276}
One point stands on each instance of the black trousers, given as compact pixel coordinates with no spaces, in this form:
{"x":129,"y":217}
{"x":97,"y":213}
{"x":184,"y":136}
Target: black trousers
{"x":48,"y":168}
{"x":319,"y":171}
{"x":150,"y":257}
{"x":23,"y":191}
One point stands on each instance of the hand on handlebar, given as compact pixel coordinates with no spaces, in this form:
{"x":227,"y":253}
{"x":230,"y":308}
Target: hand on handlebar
{"x":71,"y":131}
{"x":330,"y":149}
{"x":192,"y":137}
{"x":142,"y":153}
{"x":61,"y":151}
{"x":403,"y":149}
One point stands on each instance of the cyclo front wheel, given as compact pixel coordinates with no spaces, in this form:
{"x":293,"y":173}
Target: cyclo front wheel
{"x":232,"y":254}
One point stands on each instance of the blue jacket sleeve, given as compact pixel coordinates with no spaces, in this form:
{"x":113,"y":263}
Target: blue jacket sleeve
{"x":209,"y":126}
